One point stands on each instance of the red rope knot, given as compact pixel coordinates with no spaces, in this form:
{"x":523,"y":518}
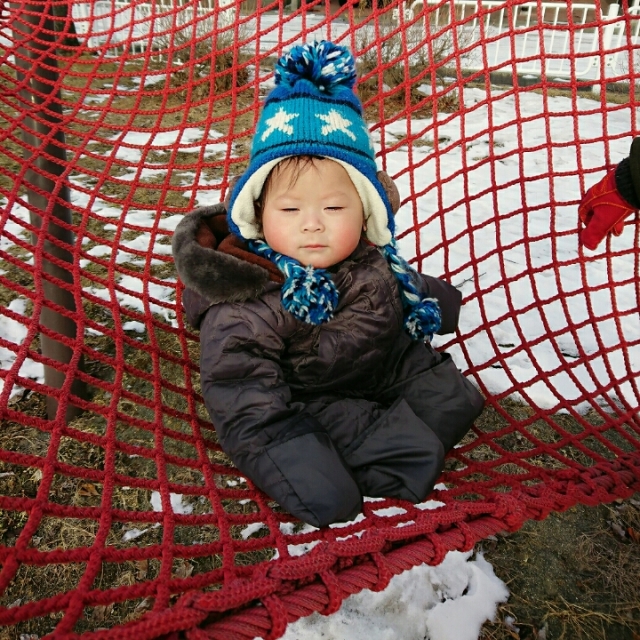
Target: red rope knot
{"x":278,"y":615}
{"x":189,"y":600}
{"x":624,"y":487}
{"x":592,"y":487}
{"x":384,"y":572}
{"x":334,"y":591}
{"x":509,"y":510}
{"x":541,"y":500}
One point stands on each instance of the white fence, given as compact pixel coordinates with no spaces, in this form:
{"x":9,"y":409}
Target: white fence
{"x":531,"y":37}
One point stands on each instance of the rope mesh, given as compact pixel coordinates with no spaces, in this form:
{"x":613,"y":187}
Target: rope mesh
{"x":125,"y":519}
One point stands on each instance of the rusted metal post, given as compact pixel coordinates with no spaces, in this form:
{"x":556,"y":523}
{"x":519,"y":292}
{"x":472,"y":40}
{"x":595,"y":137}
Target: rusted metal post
{"x":45,"y":158}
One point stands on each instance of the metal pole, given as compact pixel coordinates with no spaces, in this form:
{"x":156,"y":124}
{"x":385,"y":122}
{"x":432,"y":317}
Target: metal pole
{"x":39,"y":72}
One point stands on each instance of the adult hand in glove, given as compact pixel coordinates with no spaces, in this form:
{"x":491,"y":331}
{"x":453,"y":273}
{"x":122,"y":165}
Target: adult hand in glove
{"x":602,"y":211}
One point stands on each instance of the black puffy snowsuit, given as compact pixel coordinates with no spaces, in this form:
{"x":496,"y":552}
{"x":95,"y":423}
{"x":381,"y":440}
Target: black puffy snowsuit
{"x":628,"y":175}
{"x":318,"y":416}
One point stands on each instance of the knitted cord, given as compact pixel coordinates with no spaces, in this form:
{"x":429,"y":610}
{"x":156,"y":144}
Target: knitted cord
{"x":309,"y":294}
{"x":422,"y":317}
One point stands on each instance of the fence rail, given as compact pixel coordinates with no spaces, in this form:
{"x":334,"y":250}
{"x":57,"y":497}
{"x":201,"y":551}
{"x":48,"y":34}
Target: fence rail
{"x":530,"y":35}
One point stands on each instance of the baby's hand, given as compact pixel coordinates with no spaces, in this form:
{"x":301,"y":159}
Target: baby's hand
{"x":602,"y":211}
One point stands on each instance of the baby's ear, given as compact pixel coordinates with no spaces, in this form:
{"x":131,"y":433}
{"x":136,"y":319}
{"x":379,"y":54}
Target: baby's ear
{"x":391,"y":190}
{"x":232,"y":184}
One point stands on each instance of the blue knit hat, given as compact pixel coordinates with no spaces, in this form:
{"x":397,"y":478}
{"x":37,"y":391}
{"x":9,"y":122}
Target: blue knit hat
{"x":313,"y":111}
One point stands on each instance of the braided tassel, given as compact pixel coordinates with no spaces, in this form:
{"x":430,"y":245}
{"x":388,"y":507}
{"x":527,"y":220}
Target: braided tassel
{"x":422,"y":316}
{"x":309,"y":294}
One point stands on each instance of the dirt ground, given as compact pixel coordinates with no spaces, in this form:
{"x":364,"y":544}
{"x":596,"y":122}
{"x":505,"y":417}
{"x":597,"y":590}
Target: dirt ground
{"x":573,"y":575}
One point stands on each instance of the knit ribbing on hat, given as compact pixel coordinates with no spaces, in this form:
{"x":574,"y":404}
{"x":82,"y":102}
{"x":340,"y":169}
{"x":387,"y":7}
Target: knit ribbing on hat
{"x":422,"y":317}
{"x":309,"y":294}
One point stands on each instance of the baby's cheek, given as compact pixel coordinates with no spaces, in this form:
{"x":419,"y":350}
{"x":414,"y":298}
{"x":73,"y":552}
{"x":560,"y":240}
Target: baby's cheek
{"x":349,"y":238}
{"x":278,"y":238}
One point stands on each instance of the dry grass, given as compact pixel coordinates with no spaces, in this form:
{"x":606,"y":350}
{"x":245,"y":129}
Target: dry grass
{"x":33,"y":583}
{"x":538,"y":563}
{"x":390,"y":82}
{"x":571,"y":576}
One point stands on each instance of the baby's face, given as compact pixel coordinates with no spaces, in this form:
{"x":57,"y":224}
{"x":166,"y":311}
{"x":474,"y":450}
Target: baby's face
{"x":317,"y":220}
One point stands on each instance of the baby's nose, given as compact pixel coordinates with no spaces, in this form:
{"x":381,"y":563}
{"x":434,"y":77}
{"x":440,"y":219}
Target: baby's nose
{"x":312,"y":221}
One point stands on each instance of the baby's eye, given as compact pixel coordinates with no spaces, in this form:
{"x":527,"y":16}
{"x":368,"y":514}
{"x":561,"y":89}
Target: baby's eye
{"x":289,"y":209}
{"x":335,"y":208}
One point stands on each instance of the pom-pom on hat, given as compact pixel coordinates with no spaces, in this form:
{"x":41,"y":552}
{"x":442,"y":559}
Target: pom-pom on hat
{"x":313,"y":111}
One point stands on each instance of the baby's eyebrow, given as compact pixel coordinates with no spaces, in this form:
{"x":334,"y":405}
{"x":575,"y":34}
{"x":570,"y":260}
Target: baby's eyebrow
{"x":288,"y":197}
{"x":291,"y":197}
{"x":334,"y":194}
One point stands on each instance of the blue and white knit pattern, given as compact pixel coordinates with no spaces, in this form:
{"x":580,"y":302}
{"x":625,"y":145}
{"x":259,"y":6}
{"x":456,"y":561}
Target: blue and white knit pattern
{"x":325,"y":64}
{"x":309,"y":294}
{"x":422,"y":316}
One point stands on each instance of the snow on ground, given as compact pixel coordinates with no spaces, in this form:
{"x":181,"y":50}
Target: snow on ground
{"x":15,"y":331}
{"x":470,"y":180}
{"x":453,"y":600}
{"x":448,"y":602}
{"x":467,"y":229}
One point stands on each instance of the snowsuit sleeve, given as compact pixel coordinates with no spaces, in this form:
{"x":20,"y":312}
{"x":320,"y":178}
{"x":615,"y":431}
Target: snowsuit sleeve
{"x":279,"y":445}
{"x":628,"y":175}
{"x":449,"y":299}
{"x":433,"y":387}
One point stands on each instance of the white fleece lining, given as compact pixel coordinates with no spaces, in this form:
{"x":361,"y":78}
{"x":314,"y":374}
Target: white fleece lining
{"x":375,"y":211}
{"x":243,"y":212}
{"x":244,"y":216}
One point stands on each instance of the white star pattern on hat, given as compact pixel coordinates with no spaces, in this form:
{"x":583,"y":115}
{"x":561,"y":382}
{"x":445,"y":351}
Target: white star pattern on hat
{"x":279,"y":122}
{"x":335,"y":122}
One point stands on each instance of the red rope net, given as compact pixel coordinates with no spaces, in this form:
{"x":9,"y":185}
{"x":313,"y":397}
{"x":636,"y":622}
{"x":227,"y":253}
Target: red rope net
{"x":119,"y":515}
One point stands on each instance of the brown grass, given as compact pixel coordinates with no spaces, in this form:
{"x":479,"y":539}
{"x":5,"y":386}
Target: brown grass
{"x":539,"y":563}
{"x":571,"y":576}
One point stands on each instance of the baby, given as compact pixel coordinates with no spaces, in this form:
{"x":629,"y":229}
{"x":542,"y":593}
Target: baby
{"x":316,"y":364}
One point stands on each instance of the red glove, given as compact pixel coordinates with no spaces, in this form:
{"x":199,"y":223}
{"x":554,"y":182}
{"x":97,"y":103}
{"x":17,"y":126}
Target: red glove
{"x":602,"y":211}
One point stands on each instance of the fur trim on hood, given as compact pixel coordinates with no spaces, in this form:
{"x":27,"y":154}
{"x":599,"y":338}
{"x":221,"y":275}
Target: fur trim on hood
{"x":216,"y":265}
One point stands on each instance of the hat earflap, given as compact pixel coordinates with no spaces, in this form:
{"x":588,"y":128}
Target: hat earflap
{"x":422,"y":316}
{"x":309,"y":294}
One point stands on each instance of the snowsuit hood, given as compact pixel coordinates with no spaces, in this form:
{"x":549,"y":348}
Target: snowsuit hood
{"x":215,"y":265}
